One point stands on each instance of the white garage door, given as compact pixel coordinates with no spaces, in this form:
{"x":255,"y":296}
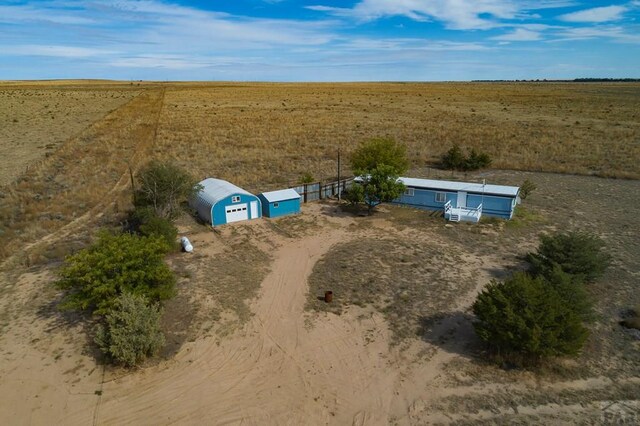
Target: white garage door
{"x":236,"y":213}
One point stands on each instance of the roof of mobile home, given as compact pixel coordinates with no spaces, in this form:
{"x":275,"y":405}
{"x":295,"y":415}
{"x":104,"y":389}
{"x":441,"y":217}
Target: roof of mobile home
{"x":445,"y":185}
{"x":281,"y":195}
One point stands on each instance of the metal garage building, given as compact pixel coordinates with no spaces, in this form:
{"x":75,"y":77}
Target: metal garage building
{"x":220,"y":202}
{"x":280,"y":203}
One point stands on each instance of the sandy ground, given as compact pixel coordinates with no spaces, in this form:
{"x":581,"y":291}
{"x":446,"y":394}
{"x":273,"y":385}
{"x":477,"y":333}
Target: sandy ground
{"x":285,"y":366}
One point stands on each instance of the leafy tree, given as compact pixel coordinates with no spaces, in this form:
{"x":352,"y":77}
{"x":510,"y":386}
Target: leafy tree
{"x":381,"y":186}
{"x":576,"y":253}
{"x":122,"y":263}
{"x":379,"y":162}
{"x":307,"y":177}
{"x":131,"y":331}
{"x":454,"y":159}
{"x":524,"y":318}
{"x":162,"y":187}
{"x":527,"y":188}
{"x":380,"y":152}
{"x":354,"y":195}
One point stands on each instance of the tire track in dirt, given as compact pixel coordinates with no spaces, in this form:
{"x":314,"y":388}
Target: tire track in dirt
{"x":141,"y":150}
{"x":139,"y":131}
{"x":275,"y":371}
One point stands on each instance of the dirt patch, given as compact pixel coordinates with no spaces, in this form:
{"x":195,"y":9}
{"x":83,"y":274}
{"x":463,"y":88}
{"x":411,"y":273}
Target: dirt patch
{"x":406,"y":279}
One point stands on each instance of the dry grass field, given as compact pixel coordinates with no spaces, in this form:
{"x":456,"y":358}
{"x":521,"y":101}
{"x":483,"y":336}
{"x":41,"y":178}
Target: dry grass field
{"x":264,"y":136}
{"x":248,"y":340}
{"x":37,"y":120}
{"x":280,"y":131}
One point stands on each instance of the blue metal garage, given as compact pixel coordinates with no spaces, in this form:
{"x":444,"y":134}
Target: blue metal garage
{"x":220,"y":202}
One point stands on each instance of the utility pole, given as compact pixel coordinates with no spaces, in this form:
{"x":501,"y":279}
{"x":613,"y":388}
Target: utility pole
{"x":339,"y":191}
{"x":133,"y":184}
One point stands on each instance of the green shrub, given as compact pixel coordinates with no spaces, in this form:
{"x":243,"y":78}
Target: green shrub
{"x":160,"y":227}
{"x":527,"y":188}
{"x":524,"y":319}
{"x":354,"y":195}
{"x":131,"y":330}
{"x":162,"y":187}
{"x":307,"y":178}
{"x":115,"y":264}
{"x":477,"y":160}
{"x":571,"y":290}
{"x":455,"y":159}
{"x":577,"y":253}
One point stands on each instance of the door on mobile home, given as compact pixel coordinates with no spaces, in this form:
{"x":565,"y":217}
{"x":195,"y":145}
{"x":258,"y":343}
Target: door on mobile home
{"x":462,"y":199}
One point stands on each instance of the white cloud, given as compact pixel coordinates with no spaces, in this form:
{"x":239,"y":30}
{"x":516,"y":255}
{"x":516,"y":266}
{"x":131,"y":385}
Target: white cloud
{"x":54,"y":51}
{"x":616,"y":33}
{"x":408,"y":44}
{"x":28,"y":13}
{"x":157,"y":22}
{"x":597,"y":14}
{"x":455,"y":14}
{"x":520,"y":34}
{"x":172,"y":62}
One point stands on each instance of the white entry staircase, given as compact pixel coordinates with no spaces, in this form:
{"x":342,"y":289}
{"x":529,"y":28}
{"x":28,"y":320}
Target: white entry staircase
{"x":464,"y":214}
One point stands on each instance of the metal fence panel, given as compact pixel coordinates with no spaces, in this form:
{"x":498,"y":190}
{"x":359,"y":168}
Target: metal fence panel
{"x":317,"y":191}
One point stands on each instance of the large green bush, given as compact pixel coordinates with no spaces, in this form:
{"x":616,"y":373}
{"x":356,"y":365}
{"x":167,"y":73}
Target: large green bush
{"x":571,"y":290}
{"x":115,"y":264}
{"x":131,"y":330}
{"x":160,"y":227}
{"x":525,"y":319}
{"x":162,"y":187}
{"x":577,"y":253}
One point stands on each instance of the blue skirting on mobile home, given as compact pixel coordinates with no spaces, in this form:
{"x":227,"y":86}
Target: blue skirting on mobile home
{"x":280,"y":203}
{"x":220,"y":202}
{"x":460,"y":200}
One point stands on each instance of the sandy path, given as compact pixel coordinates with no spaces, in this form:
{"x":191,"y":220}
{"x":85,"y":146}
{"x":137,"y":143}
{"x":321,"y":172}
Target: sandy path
{"x":277,"y":371}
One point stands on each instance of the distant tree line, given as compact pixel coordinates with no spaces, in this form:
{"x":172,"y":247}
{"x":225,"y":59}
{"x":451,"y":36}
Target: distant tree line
{"x":575,"y":80}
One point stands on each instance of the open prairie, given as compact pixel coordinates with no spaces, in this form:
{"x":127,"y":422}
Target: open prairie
{"x":35,"y":120}
{"x":248,"y":340}
{"x":280,"y":131}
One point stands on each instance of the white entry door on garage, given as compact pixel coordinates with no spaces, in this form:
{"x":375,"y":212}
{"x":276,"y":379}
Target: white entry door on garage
{"x":236,"y":213}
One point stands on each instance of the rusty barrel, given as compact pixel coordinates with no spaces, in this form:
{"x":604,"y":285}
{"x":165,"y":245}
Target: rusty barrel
{"x":328,"y":296}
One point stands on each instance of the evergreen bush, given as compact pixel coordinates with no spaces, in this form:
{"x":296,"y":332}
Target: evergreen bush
{"x":524,"y":319}
{"x":131,"y":330}
{"x":577,"y":253}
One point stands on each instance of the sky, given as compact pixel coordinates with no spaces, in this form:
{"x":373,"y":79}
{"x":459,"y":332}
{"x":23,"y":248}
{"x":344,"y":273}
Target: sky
{"x":319,"y":40}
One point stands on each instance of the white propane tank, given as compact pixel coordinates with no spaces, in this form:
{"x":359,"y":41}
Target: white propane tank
{"x":186,"y":244}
